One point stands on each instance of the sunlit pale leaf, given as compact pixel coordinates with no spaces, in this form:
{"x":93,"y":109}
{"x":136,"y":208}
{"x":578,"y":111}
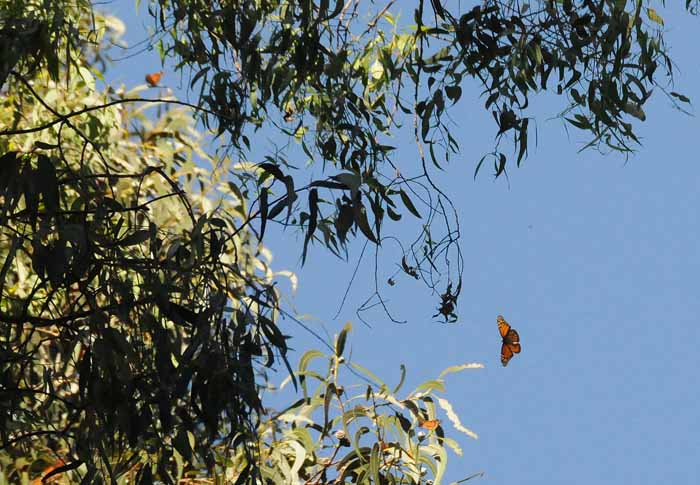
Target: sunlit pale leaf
{"x":452,"y":416}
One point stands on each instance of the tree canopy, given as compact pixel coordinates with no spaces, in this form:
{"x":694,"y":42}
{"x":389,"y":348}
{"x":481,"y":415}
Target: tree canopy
{"x":138,"y":308}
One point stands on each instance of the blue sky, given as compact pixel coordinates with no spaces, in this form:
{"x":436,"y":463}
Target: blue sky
{"x":594,"y":260}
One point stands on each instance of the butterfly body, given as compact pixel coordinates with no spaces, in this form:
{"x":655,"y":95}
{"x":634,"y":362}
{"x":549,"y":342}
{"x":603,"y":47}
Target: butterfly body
{"x":511,"y":340}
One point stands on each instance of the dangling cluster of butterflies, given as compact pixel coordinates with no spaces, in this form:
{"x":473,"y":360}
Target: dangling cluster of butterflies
{"x":511,"y":340}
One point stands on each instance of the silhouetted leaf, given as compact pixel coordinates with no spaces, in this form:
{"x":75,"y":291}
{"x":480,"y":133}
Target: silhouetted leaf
{"x":409,"y":204}
{"x":681,"y":97}
{"x":340,"y":344}
{"x":135,"y":238}
{"x":313,"y":221}
{"x":263,"y":211}
{"x":453,"y":92}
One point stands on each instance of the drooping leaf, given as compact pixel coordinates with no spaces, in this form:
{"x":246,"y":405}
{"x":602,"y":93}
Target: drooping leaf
{"x":681,"y":97}
{"x":263,"y":212}
{"x":342,"y":337}
{"x":313,"y":221}
{"x":409,"y":204}
{"x":360,"y":218}
{"x":403,"y":376}
{"x":453,"y":92}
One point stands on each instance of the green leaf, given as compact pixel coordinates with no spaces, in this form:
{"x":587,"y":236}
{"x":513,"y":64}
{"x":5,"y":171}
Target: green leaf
{"x":313,"y":221}
{"x":376,"y":71}
{"x":440,"y":456}
{"x":478,"y":166}
{"x":522,"y":139}
{"x":454,"y":419}
{"x":44,"y":146}
{"x":654,"y":17}
{"x":580,"y":122}
{"x":459,"y":368}
{"x":429,"y":386}
{"x":136,"y":238}
{"x":236,"y":191}
{"x":342,"y":337}
{"x":307,"y":358}
{"x":425,"y":120}
{"x":304,"y":364}
{"x":680,"y":97}
{"x":286,"y":201}
{"x":403,"y":376}
{"x":263,"y":211}
{"x":360,"y":217}
{"x":288,"y":182}
{"x":409,"y":204}
{"x":46,"y":175}
{"x":500,"y":165}
{"x":538,"y":54}
{"x":328,"y":396}
{"x":454,"y":93}
{"x":299,"y":457}
{"x":351,"y":180}
{"x":394,"y":216}
{"x":182,"y":444}
{"x":369,"y":374}
{"x":453,"y":445}
{"x":374,"y":464}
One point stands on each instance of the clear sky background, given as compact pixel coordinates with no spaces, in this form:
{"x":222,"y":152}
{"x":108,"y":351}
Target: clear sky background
{"x":594,"y":259}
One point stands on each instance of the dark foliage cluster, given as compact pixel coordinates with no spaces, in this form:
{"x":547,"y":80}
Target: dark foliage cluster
{"x":133,"y":324}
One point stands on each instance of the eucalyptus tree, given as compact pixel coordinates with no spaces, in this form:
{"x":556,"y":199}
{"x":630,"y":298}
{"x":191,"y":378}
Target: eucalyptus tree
{"x":341,"y":77}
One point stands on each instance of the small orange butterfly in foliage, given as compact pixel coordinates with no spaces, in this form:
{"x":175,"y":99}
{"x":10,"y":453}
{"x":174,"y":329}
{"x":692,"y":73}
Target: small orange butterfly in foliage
{"x":511,"y":341}
{"x":430,"y":424}
{"x":154,"y":78}
{"x":57,"y":464}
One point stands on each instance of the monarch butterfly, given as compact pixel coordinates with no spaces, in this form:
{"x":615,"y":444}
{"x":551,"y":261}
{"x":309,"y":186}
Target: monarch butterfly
{"x":429,"y":424}
{"x":57,"y":464}
{"x":154,"y":78}
{"x":511,"y":341}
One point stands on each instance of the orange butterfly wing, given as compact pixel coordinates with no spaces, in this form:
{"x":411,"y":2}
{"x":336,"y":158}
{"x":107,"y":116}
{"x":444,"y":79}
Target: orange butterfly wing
{"x":511,"y":341}
{"x":154,"y":78}
{"x":512,"y":337}
{"x":506,"y":354}
{"x":503,"y":326}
